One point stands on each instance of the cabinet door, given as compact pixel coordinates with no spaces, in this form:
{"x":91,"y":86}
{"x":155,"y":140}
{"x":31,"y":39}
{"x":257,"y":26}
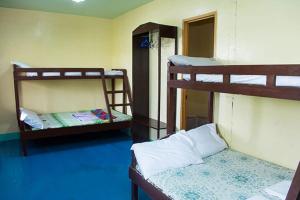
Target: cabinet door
{"x":140,"y":77}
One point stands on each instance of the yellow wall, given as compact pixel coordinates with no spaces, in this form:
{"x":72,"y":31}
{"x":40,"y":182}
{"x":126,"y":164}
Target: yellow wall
{"x":51,"y":40}
{"x":256,"y":31}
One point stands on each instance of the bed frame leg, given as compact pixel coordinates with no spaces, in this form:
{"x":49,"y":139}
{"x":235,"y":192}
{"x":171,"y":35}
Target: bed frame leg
{"x":23,"y":147}
{"x":134,"y":191}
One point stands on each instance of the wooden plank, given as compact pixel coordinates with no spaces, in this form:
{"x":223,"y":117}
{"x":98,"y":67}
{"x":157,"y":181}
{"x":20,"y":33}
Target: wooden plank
{"x":292,"y":93}
{"x":120,"y":104}
{"x":116,"y":91}
{"x":150,"y":189}
{"x":271,"y":80}
{"x":279,"y":70}
{"x":210,"y":107}
{"x":113,"y":88}
{"x":171,"y":105}
{"x":56,"y":132}
{"x":294,"y":191}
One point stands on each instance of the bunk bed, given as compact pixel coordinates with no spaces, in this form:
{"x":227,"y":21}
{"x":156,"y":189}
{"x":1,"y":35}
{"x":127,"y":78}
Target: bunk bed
{"x":113,"y":119}
{"x":274,"y":81}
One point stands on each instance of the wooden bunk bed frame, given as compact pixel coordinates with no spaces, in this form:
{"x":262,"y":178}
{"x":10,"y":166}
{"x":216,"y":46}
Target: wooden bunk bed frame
{"x":268,"y":90}
{"x":20,"y":74}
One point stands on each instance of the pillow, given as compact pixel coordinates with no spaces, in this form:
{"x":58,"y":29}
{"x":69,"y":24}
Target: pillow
{"x":206,"y":140}
{"x":193,"y":61}
{"x":31,"y":118}
{"x":173,"y":152}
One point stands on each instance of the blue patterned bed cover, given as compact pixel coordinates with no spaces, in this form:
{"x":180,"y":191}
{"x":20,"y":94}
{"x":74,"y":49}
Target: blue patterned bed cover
{"x":228,"y":175}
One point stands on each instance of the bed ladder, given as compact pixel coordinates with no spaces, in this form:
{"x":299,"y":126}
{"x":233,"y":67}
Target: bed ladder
{"x":125,"y":91}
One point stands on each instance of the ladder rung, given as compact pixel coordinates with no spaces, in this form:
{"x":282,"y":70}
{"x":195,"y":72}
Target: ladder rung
{"x":120,"y":104}
{"x":116,"y":91}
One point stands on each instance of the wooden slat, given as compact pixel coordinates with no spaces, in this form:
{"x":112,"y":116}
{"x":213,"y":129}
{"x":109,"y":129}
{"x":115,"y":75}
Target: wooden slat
{"x":294,"y":191}
{"x":116,"y":91}
{"x":120,"y":104}
{"x":252,"y":90}
{"x":124,"y":94}
{"x":210,"y":107}
{"x":284,"y":70}
{"x":55,"y":132}
{"x":226,"y":79}
{"x":113,"y":89}
{"x":271,"y":80}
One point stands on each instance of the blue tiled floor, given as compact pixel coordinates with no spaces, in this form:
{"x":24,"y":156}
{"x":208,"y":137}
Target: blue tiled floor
{"x":79,"y":168}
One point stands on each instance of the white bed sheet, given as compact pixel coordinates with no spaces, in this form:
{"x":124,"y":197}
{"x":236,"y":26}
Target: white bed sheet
{"x":291,"y":81}
{"x":210,"y":78}
{"x":193,"y":61}
{"x":73,"y":73}
{"x":54,"y":74}
{"x":51,"y":74}
{"x":113,"y":73}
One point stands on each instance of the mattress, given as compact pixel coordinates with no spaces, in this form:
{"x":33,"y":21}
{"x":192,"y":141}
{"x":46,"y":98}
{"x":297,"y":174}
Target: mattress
{"x":180,"y":60}
{"x":69,"y":119}
{"x":284,"y":81}
{"x":55,"y":74}
{"x":228,"y":175}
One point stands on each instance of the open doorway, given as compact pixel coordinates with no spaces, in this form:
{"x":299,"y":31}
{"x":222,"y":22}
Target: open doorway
{"x":199,"y":36}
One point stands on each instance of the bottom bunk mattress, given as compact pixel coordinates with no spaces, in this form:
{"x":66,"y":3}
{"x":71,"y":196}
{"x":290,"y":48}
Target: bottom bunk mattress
{"x":228,"y":175}
{"x":80,"y":118}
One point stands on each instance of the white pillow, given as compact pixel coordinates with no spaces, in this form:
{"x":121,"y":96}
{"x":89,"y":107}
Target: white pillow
{"x":31,"y":118}
{"x":206,"y":140}
{"x":193,"y":61}
{"x":173,"y":152}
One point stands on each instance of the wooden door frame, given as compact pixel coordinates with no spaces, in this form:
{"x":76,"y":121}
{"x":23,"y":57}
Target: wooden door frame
{"x":185,"y":39}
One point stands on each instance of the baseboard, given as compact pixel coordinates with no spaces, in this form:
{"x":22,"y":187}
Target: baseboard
{"x":9,"y":136}
{"x":16,"y":135}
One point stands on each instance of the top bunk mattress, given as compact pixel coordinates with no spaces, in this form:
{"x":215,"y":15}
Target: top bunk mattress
{"x":56,"y":74}
{"x":228,"y":175}
{"x":283,"y":81}
{"x":80,"y":118}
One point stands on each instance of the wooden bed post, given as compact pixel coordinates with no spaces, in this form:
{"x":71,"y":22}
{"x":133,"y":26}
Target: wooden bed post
{"x":113,"y":89}
{"x":171,"y":103}
{"x":134,"y":191}
{"x":17,"y":101}
{"x":294,"y":191}
{"x":210,"y":107}
{"x":127,"y":89}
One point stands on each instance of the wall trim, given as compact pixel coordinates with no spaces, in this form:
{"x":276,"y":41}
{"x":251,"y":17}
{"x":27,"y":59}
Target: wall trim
{"x":9,"y":136}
